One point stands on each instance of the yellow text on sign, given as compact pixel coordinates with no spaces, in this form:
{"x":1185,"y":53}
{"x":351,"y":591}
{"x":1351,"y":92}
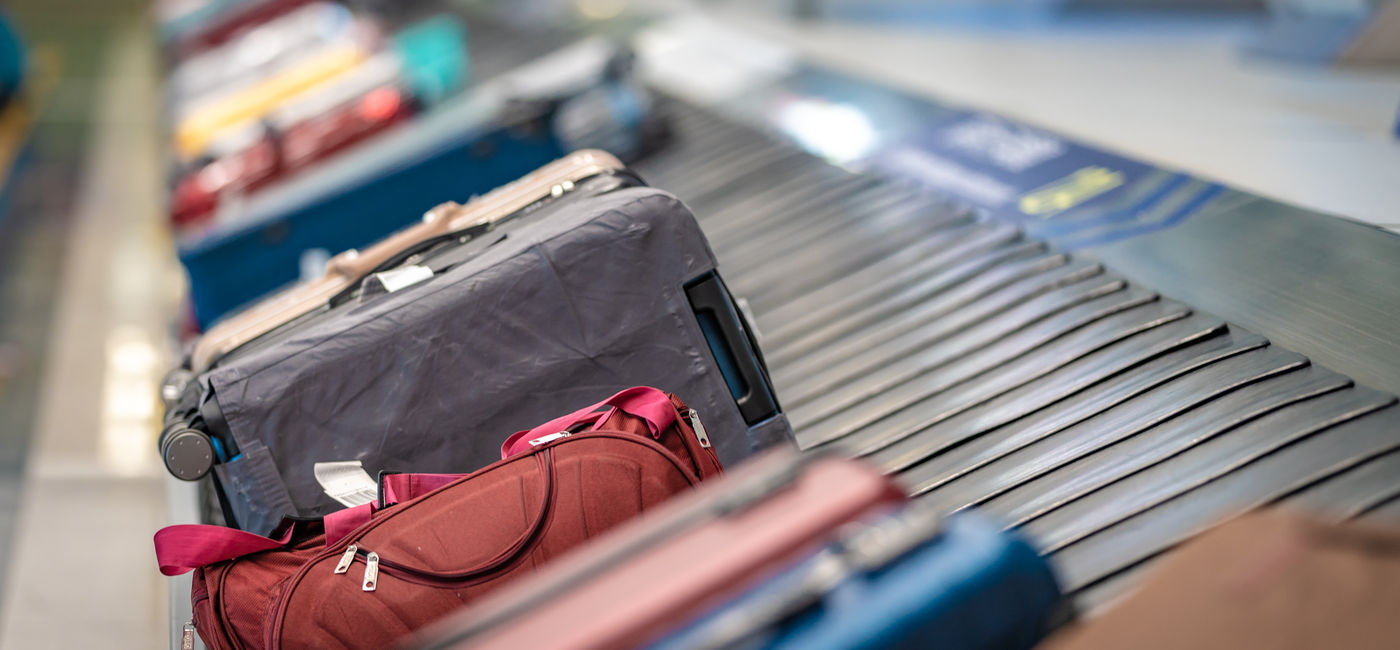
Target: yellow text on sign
{"x":1070,"y":191}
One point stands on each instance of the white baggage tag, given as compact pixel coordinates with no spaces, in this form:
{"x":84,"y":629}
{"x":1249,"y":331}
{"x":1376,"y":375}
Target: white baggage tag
{"x":404,"y":276}
{"x":346,"y":481}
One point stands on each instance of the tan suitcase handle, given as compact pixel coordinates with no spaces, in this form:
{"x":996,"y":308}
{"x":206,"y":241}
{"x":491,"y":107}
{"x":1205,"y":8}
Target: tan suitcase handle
{"x":356,"y":264}
{"x":350,"y":267}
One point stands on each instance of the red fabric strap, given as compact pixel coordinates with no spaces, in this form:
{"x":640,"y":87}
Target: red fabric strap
{"x":186,"y":547}
{"x":342,"y":522}
{"x":405,"y":487}
{"x":650,"y":404}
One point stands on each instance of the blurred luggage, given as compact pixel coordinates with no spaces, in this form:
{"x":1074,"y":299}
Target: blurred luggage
{"x":263,"y":51}
{"x":576,"y":280}
{"x":253,"y":245}
{"x":188,"y":27}
{"x":781,"y":526}
{"x":206,"y":121}
{"x":388,"y":570}
{"x":14,"y":61}
{"x":908,"y":579}
{"x":270,"y":153}
{"x":426,"y":61}
{"x":1265,"y":580}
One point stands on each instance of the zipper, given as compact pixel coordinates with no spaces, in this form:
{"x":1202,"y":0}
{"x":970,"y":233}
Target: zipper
{"x":371,"y":578}
{"x":699,"y":428}
{"x":371,"y":571}
{"x":549,"y":438}
{"x":199,"y":594}
{"x":704,"y":457}
{"x":435,"y":579}
{"x":187,"y":635}
{"x":374,"y":565}
{"x":344,"y":564}
{"x":418,"y":576}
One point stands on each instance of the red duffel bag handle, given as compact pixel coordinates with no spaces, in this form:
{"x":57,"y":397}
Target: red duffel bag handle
{"x":650,"y":404}
{"x":186,"y":547}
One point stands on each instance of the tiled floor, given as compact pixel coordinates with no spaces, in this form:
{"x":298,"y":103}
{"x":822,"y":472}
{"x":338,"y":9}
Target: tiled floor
{"x":79,"y":571}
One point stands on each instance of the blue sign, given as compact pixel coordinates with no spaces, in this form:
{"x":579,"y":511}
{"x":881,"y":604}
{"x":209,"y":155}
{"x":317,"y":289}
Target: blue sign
{"x":1074,"y":195}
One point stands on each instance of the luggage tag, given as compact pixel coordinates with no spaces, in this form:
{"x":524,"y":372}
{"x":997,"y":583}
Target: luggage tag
{"x":347,"y":482}
{"x":393,"y":280}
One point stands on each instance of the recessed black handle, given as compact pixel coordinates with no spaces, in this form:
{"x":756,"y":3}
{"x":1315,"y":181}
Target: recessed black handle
{"x":734,"y":347}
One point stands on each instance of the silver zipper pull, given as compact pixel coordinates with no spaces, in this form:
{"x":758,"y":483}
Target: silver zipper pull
{"x":187,"y":636}
{"x":345,"y":559}
{"x":371,"y":572}
{"x":699,"y":427}
{"x":549,"y":438}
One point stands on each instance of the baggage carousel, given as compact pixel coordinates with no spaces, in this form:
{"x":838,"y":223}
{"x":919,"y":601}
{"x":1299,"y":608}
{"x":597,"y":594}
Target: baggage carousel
{"x":1108,"y":394}
{"x":988,"y":368}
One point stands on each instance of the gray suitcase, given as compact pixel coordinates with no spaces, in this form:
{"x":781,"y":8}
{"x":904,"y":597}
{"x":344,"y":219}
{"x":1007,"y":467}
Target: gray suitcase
{"x":595,"y":287}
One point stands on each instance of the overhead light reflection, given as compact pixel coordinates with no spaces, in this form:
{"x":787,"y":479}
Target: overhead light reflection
{"x":839,"y":132}
{"x":130,"y":414}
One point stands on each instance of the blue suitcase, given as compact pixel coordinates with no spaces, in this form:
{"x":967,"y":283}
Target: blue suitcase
{"x":907,"y":580}
{"x":472,"y":143}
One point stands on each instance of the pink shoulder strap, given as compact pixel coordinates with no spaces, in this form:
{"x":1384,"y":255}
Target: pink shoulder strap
{"x":185,"y":547}
{"x":650,"y":404}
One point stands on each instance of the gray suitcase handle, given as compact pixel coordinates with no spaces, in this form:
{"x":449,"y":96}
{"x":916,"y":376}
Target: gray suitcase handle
{"x":733,"y":345}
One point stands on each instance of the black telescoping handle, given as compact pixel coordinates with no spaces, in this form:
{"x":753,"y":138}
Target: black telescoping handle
{"x":734,"y":347}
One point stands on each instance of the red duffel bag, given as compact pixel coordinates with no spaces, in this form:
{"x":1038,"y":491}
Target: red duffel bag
{"x":362,"y":579}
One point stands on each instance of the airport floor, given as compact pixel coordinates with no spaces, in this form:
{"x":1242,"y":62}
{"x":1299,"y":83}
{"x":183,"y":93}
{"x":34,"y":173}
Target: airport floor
{"x":82,"y":346}
{"x":80,"y":486}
